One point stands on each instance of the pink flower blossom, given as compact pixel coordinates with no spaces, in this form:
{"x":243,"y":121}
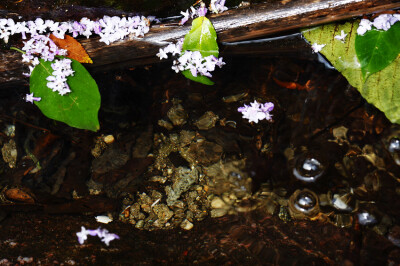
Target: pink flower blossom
{"x":30,"y":99}
{"x":103,"y":234}
{"x":190,"y":60}
{"x":58,"y":79}
{"x":218,"y":6}
{"x":317,"y":47}
{"x":257,"y":111}
{"x":110,"y":29}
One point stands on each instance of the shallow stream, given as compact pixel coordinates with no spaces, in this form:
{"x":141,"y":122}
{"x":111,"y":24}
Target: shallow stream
{"x":187,"y":180}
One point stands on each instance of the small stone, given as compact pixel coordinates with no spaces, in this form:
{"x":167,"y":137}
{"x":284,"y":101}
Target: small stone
{"x":181,"y":183}
{"x":160,"y":179}
{"x":9,"y":152}
{"x":143,"y":144}
{"x":99,"y":147}
{"x":103,"y":219}
{"x":109,"y":139}
{"x":177,"y":115}
{"x":207,"y":121}
{"x":186,"y":225}
{"x":215,"y":213}
{"x":203,"y":153}
{"x":165,"y":124}
{"x":163,"y":213}
{"x":139,"y":224}
{"x":217,"y":203}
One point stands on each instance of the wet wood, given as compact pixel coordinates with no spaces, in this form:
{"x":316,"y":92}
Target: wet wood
{"x":244,"y":23}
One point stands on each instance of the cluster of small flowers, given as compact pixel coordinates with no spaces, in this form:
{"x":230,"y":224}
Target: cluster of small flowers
{"x":189,"y":60}
{"x":58,"y":79}
{"x":40,"y":45}
{"x":110,"y":29}
{"x":216,"y":6}
{"x":257,"y":111}
{"x":171,"y":48}
{"x":105,"y":236}
{"x":193,"y":13}
{"x":197,"y":64}
{"x":381,"y":22}
{"x":116,"y":28}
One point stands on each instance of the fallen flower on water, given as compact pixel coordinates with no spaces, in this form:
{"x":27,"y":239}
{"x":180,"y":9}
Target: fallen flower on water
{"x":189,"y":60}
{"x":103,"y":234}
{"x":341,"y":37}
{"x":381,"y":22}
{"x":58,"y":79}
{"x":29,"y":98}
{"x":257,"y":111}
{"x":384,"y":22}
{"x":193,"y":13}
{"x":317,"y":47}
{"x":218,"y":6}
{"x":364,"y":26}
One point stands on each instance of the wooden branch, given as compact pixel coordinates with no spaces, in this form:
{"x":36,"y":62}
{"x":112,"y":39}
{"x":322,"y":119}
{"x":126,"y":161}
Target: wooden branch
{"x":255,"y":21}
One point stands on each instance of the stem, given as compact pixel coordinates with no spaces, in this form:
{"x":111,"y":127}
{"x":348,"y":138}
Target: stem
{"x":16,"y":49}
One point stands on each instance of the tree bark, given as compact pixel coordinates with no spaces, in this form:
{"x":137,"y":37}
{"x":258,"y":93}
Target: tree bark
{"x":243,"y":23}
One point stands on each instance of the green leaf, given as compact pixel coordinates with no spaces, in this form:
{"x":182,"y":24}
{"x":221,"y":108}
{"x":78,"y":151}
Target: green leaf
{"x":382,"y":89}
{"x":77,"y":109}
{"x":202,"y":37}
{"x":376,"y":49}
{"x":201,"y":79}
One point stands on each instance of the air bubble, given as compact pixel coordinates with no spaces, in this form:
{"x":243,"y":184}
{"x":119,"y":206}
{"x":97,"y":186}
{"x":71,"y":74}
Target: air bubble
{"x":305,"y":202}
{"x":394,"y":149}
{"x":308,"y":168}
{"x":394,"y":145}
{"x":364,"y":218}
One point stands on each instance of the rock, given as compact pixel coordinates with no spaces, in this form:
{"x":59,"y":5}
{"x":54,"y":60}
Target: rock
{"x":215,"y":213}
{"x":9,"y":152}
{"x":186,"y":137}
{"x":108,"y":139}
{"x":217,"y":203}
{"x":177,"y":114}
{"x":163,"y":213}
{"x":112,"y":158}
{"x":207,"y":121}
{"x":143,"y":144}
{"x":183,"y":179}
{"x":165,"y":124}
{"x":186,"y":225}
{"x":202,"y":152}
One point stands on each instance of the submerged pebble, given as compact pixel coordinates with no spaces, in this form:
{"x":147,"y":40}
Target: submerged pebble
{"x":103,"y":219}
{"x":177,"y":114}
{"x":9,"y":152}
{"x":207,"y":121}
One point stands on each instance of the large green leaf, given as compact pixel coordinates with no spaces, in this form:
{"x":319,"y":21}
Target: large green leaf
{"x":199,"y":78}
{"x":381,"y":89}
{"x":202,"y":37}
{"x":376,"y":49}
{"x":77,"y":109}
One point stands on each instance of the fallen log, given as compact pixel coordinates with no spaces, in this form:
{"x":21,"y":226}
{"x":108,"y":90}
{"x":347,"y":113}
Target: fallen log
{"x":243,"y":23}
